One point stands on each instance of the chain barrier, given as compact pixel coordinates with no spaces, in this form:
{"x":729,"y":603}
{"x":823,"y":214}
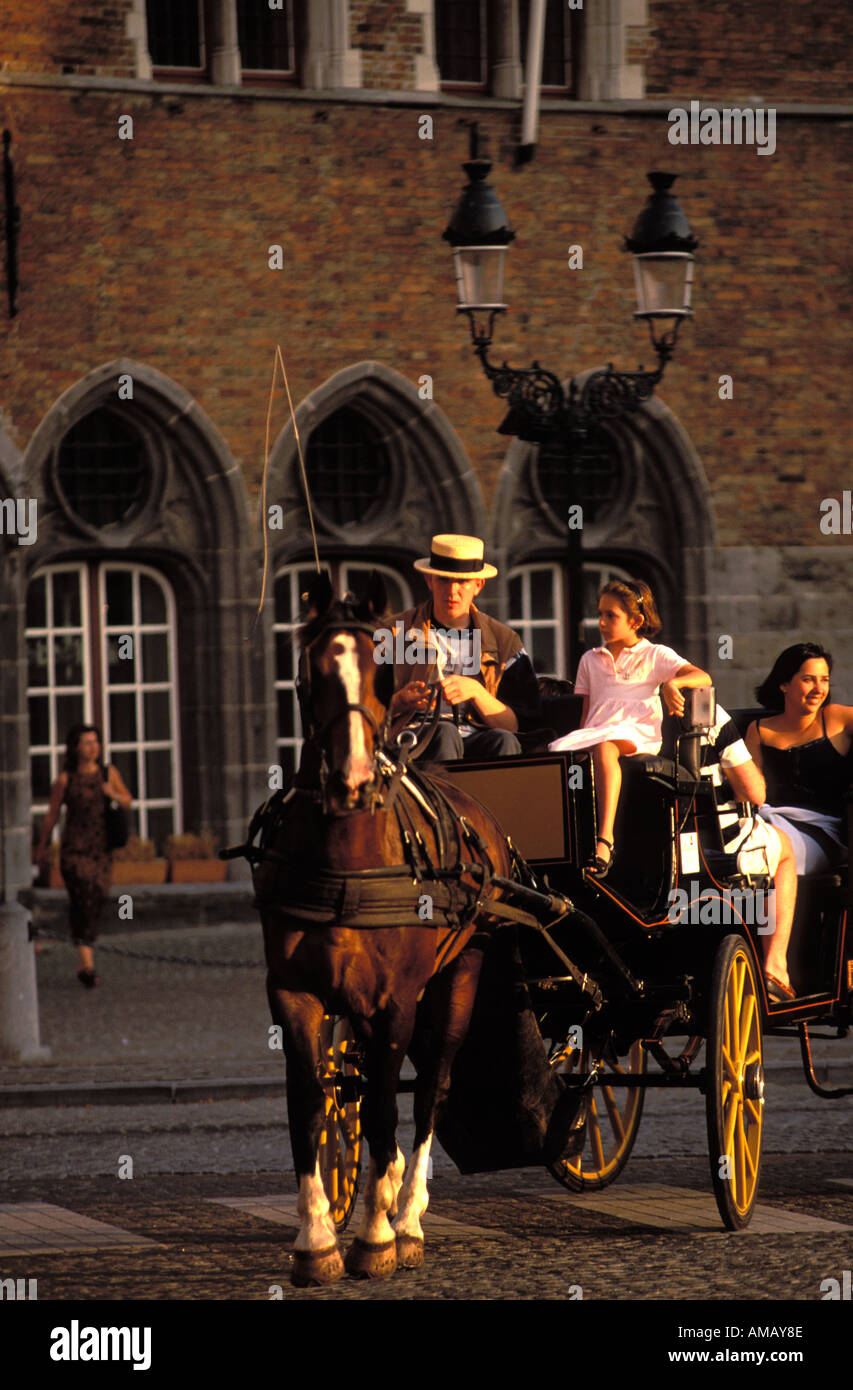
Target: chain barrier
{"x":42,"y":935}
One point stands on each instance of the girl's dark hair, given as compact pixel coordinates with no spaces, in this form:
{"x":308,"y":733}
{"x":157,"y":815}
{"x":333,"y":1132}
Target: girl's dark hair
{"x":635,"y":596}
{"x":72,"y":752}
{"x":787,"y":664}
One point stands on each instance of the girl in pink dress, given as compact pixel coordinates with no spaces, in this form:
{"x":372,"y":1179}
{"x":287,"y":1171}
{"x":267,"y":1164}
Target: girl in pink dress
{"x":621,"y":709}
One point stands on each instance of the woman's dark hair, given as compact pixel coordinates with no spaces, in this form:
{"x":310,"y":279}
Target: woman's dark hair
{"x":635,"y":596}
{"x":787,"y":664}
{"x":72,"y":752}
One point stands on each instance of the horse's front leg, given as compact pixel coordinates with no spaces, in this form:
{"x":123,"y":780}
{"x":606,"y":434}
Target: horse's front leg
{"x":317,"y":1257}
{"x":452,"y":999}
{"x":373,"y":1253}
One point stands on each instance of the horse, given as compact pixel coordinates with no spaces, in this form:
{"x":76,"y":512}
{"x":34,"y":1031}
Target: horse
{"x":372,"y":892}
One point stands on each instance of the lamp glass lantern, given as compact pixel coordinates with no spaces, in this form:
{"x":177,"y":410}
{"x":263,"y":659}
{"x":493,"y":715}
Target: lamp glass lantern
{"x":479,"y":282}
{"x":664,"y":281}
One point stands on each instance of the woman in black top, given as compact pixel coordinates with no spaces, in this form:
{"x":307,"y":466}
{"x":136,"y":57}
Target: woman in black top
{"x":803,"y":750}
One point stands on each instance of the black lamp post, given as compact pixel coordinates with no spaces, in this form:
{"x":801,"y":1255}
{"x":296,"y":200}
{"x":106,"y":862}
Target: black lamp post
{"x":541,"y":411}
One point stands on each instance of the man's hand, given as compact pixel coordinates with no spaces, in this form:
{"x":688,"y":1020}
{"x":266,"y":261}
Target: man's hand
{"x":457,"y":689}
{"x":673,"y":698}
{"x":409,"y":698}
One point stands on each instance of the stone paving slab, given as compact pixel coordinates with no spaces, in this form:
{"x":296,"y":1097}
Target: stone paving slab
{"x":682,"y":1209}
{"x":40,"y":1228}
{"x":284,"y":1211}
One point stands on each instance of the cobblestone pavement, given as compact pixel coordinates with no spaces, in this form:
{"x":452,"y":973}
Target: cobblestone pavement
{"x":250,"y":1136}
{"x":540,"y":1247}
{"x":153,"y":1022}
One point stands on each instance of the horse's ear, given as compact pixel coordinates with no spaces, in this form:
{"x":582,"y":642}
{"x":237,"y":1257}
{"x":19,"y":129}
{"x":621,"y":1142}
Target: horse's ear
{"x":320,"y":594}
{"x":374,"y":600}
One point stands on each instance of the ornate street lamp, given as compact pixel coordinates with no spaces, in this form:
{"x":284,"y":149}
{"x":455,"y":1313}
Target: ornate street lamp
{"x":541,"y":410}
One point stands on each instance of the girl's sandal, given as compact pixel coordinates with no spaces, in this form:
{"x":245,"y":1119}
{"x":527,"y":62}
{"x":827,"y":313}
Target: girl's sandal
{"x":597,"y":866}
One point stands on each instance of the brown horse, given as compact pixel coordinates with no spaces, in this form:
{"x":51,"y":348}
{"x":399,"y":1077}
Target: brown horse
{"x":369,"y":897}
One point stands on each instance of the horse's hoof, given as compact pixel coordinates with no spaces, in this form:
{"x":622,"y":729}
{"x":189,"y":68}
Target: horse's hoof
{"x":311,"y":1267}
{"x":366,"y":1261}
{"x":410,"y":1252}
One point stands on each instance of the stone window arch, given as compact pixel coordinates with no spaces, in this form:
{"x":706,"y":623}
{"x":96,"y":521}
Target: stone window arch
{"x":431,"y":487}
{"x":193,"y":529}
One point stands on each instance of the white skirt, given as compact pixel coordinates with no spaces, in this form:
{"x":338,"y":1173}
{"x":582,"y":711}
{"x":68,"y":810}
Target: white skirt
{"x":594,"y":734}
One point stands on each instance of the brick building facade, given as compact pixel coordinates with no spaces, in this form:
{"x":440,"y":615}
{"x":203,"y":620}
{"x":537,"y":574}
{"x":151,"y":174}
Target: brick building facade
{"x":157,"y":153}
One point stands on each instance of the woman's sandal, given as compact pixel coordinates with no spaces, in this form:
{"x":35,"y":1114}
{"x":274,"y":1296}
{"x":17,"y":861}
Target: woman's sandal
{"x":88,"y":978}
{"x":778,"y":993}
{"x":597,"y":866}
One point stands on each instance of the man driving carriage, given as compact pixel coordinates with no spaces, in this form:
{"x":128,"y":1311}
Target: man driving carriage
{"x":488,"y":688}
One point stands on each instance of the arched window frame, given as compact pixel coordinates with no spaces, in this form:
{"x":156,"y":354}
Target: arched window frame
{"x":95,"y":631}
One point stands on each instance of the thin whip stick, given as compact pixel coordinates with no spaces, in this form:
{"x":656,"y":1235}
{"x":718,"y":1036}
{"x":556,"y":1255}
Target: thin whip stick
{"x":278,"y":359}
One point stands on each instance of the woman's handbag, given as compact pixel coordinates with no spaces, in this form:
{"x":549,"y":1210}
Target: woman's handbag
{"x":117,"y":828}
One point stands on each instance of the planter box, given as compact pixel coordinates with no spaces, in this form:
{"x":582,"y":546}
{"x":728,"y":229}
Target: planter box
{"x":198,"y":870}
{"x":143,"y":871}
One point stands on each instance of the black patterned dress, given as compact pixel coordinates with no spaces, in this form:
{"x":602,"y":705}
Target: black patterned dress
{"x":84,"y":857}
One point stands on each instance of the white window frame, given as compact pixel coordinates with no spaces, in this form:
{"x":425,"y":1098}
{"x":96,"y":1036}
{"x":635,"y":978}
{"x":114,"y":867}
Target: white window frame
{"x":526,"y":625}
{"x":56,"y":745}
{"x":138,"y":688}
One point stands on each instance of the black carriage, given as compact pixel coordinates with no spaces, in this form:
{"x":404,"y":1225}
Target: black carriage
{"x":667,"y":947}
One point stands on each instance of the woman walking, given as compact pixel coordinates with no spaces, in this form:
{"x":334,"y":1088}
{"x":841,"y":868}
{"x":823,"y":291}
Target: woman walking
{"x":85,"y":787}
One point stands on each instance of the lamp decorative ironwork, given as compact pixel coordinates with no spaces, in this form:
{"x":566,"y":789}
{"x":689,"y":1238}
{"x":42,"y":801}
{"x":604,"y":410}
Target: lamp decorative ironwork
{"x":541,"y":410}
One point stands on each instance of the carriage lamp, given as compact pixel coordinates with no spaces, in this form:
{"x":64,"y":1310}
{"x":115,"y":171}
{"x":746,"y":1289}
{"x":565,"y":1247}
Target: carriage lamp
{"x":566,"y":420}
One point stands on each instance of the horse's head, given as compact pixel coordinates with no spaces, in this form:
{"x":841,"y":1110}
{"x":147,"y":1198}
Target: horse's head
{"x":345,"y":692}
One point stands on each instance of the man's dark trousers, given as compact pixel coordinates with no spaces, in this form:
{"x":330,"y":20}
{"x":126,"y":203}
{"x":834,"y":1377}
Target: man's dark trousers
{"x":448,"y":745}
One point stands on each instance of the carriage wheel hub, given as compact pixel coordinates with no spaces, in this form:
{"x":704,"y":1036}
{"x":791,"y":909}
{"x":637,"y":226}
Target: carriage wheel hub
{"x":753,"y":1081}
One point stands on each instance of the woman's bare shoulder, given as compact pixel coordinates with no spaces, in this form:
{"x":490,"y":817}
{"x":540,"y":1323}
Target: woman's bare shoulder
{"x":839,"y":716}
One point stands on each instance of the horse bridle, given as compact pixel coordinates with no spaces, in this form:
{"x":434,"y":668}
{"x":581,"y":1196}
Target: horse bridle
{"x":409,"y":739}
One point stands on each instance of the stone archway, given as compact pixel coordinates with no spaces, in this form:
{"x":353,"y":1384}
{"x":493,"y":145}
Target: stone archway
{"x":434,"y":488}
{"x":194,"y":529}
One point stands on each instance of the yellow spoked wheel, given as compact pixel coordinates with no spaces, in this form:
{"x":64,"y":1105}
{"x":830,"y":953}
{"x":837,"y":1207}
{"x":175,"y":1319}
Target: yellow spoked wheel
{"x":340,"y":1141}
{"x":612,"y":1122}
{"x":735,"y":1083}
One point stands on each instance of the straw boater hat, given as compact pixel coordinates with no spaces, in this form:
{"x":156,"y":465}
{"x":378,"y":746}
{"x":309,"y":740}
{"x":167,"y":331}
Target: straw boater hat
{"x":456,"y":557}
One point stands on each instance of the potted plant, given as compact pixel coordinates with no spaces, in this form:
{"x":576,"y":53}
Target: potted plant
{"x":193,"y":859}
{"x":137,"y":862}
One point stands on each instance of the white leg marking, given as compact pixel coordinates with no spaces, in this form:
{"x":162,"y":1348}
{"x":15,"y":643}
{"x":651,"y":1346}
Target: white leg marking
{"x":317,"y":1231}
{"x":414,"y":1197}
{"x":395,"y":1173}
{"x":375,"y":1228}
{"x":357,"y":768}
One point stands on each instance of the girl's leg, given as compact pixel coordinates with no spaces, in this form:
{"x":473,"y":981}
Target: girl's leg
{"x":608,"y":784}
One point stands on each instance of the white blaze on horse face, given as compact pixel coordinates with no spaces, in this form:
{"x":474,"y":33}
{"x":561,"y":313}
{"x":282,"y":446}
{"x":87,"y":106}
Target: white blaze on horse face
{"x":414,"y":1197}
{"x":357,"y":767}
{"x":317,"y":1229}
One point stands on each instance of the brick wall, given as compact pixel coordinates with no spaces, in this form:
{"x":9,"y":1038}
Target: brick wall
{"x":74,"y":36}
{"x":388,"y":39}
{"x":779,"y":50}
{"x":156,"y":249}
